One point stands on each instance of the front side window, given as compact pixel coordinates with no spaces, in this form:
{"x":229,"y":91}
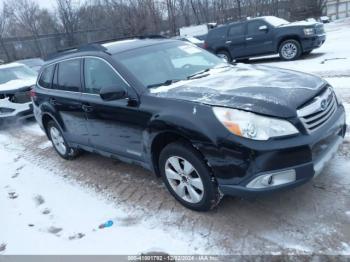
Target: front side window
{"x":69,"y":75}
{"x":99,"y":74}
{"x":46,"y":77}
{"x":156,"y":64}
{"x":253,"y":27}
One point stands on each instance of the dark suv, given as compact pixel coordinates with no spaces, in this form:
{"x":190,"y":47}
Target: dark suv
{"x":206,"y":127}
{"x":264,"y":36}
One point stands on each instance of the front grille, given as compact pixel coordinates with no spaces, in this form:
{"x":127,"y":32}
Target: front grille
{"x":320,"y":30}
{"x":318,"y":111}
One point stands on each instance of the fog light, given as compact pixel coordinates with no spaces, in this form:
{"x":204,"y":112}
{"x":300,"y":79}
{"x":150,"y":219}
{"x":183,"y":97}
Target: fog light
{"x":273,"y":179}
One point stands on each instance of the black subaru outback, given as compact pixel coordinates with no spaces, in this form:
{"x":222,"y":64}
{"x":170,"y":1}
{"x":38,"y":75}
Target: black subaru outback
{"x":263,"y":36}
{"x":208,"y":128}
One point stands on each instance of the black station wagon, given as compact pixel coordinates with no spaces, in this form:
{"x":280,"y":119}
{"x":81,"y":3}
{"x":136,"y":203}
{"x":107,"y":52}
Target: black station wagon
{"x":208,"y":128}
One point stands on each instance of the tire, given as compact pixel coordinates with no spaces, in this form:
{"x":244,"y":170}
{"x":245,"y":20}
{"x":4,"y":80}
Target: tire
{"x":59,"y":143}
{"x":225,"y":55}
{"x":195,"y":189}
{"x":290,"y":50}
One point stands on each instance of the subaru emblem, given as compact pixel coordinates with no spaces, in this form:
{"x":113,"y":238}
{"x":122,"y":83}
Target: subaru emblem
{"x":323,"y":104}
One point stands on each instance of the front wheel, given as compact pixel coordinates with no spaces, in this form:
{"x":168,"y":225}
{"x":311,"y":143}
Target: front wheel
{"x":187,"y":177}
{"x":59,"y":143}
{"x":290,"y":50}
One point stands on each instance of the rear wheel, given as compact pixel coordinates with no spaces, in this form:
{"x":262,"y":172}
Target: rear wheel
{"x":187,"y":177}
{"x":290,"y":50}
{"x":224,"y":55}
{"x":59,"y":143}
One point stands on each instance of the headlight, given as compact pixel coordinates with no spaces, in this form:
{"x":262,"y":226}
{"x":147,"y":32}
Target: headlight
{"x":253,"y":126}
{"x":309,"y":31}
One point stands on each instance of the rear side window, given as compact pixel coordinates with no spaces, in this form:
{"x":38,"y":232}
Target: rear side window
{"x":236,"y":30}
{"x":69,"y":75}
{"x":99,"y":74}
{"x":46,"y":77}
{"x":253,"y":27}
{"x":217,"y":32}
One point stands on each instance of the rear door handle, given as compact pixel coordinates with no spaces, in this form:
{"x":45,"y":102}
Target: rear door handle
{"x":229,"y":42}
{"x":249,"y":38}
{"x":87,"y":108}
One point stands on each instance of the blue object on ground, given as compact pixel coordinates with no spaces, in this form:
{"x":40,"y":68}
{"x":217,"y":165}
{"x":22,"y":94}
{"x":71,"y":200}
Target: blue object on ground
{"x":109,"y":223}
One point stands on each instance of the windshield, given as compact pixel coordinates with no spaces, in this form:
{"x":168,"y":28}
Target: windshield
{"x":16,"y":72}
{"x":167,"y":63}
{"x":275,"y":21}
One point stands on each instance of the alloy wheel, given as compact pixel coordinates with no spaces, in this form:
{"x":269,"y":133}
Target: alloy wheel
{"x":289,"y":51}
{"x":58,"y":141}
{"x":184,"y":179}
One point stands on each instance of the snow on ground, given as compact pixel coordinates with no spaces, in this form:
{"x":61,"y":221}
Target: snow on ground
{"x":43,"y":214}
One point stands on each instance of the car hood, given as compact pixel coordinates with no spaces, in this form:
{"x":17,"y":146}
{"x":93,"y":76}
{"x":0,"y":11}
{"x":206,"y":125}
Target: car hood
{"x":260,"y":89}
{"x":301,"y":23}
{"x":16,"y":85}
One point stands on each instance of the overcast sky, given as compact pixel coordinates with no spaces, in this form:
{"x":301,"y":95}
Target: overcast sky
{"x":49,"y":4}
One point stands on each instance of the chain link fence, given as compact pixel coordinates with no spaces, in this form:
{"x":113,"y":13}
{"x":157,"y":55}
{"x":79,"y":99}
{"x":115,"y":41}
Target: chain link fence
{"x":15,"y":48}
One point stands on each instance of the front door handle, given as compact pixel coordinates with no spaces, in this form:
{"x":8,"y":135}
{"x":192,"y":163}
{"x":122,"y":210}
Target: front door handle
{"x":229,"y":42}
{"x":249,"y":38}
{"x":87,"y":108}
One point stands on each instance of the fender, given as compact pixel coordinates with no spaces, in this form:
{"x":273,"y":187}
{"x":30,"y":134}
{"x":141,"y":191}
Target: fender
{"x":50,"y":111}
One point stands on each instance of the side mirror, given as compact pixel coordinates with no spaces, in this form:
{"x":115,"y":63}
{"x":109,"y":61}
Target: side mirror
{"x":112,"y":93}
{"x":263,"y":28}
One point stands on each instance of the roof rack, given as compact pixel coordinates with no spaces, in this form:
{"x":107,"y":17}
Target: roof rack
{"x":97,"y":46}
{"x":81,"y":48}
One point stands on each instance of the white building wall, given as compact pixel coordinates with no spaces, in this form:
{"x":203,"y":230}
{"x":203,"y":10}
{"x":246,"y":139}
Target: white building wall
{"x":336,"y":9}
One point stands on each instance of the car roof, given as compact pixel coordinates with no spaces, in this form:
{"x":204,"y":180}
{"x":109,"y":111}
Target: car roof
{"x":111,"y":48}
{"x":130,"y":44}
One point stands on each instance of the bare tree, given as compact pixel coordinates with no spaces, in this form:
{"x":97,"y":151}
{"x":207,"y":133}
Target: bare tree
{"x":26,"y":13}
{"x":4,"y":18}
{"x":68,"y":15}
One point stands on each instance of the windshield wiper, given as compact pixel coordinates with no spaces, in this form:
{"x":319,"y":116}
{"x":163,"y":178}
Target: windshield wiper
{"x":165,"y":83}
{"x":198,"y":73}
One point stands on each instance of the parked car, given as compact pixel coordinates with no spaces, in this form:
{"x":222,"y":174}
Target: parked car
{"x":264,"y":36}
{"x":33,"y":63}
{"x":325,"y":19}
{"x":16,"y":81}
{"x":208,"y":128}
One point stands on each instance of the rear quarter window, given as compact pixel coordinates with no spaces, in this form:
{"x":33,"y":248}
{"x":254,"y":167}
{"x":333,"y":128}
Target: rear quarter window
{"x":46,"y":77}
{"x":68,"y":77}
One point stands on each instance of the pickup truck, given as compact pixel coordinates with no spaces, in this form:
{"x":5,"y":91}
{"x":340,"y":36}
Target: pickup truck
{"x":264,"y":36}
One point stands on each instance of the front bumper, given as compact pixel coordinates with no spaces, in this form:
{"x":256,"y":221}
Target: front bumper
{"x":313,"y":42}
{"x":299,"y":159}
{"x":14,"y":111}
